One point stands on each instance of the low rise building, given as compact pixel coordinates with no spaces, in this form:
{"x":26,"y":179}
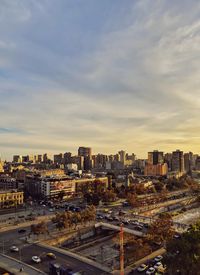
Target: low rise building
{"x":51,"y":186}
{"x":159,"y":169}
{"x":7,"y":182}
{"x":11,"y":198}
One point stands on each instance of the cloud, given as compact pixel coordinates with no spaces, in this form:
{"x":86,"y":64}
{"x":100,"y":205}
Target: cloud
{"x":74,"y":73}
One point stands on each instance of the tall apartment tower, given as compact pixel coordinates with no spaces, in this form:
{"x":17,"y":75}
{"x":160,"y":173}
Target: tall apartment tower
{"x":122,"y":156}
{"x":188,"y":161}
{"x":178,"y":161}
{"x":85,"y":151}
{"x":155,"y":157}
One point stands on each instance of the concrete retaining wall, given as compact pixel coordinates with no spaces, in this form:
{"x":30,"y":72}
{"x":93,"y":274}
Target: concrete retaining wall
{"x":76,"y":256}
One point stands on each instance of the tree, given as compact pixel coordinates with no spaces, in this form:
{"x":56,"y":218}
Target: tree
{"x":132,"y":199}
{"x":140,"y":189}
{"x":183,"y":254}
{"x":61,"y":195}
{"x":159,"y":186}
{"x":109,"y":196}
{"x":161,"y":230}
{"x":135,"y":248}
{"x":40,"y":228}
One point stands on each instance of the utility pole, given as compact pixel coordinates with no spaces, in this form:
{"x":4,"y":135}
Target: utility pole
{"x":121,"y":250}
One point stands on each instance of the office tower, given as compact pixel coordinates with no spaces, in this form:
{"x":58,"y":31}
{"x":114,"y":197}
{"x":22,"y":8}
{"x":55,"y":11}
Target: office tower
{"x":178,"y":161}
{"x":155,"y":157}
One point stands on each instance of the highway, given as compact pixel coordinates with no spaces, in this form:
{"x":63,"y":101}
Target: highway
{"x":12,"y":237}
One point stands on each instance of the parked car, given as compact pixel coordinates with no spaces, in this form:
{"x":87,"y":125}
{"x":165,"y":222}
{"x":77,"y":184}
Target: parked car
{"x":77,"y":209}
{"x":14,"y":249}
{"x":142,"y":267}
{"x":150,"y":271}
{"x":158,"y":258}
{"x":157,"y":265}
{"x":125,"y":204}
{"x":36,"y":259}
{"x":21,"y":231}
{"x":71,"y":208}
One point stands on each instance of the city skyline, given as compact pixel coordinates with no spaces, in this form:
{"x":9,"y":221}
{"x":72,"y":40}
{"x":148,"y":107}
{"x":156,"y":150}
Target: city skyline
{"x":93,"y":153}
{"x":104,"y":74}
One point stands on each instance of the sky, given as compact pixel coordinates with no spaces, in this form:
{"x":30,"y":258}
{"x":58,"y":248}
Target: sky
{"x":109,"y":74}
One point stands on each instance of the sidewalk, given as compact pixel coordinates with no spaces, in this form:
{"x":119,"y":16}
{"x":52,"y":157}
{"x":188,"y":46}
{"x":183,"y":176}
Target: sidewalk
{"x":13,"y":265}
{"x":45,"y":218}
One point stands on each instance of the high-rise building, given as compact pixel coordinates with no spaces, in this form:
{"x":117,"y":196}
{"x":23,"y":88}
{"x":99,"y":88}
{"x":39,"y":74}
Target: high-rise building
{"x":79,"y":160}
{"x":168,"y":160}
{"x":178,"y":161}
{"x":58,"y":159}
{"x":155,"y":157}
{"x":17,"y":158}
{"x":46,"y":158}
{"x":1,"y":167}
{"x":84,"y":151}
{"x":67,"y":158}
{"x":188,"y":161}
{"x":198,"y":163}
{"x":122,"y":156}
{"x":100,"y":160}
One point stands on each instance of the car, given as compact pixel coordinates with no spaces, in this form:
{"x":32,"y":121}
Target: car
{"x":157,"y":265}
{"x":158,"y":258}
{"x":146,"y":225}
{"x":116,"y":218}
{"x":14,"y":248}
{"x":142,"y":267}
{"x":51,"y":255}
{"x":126,"y":222}
{"x":134,"y":222}
{"x":72,"y":208}
{"x":150,"y":271}
{"x":138,"y":228}
{"x":77,"y":209}
{"x":36,"y":259}
{"x":177,"y":236}
{"x":21,"y":231}
{"x":125,"y":204}
{"x":99,"y":217}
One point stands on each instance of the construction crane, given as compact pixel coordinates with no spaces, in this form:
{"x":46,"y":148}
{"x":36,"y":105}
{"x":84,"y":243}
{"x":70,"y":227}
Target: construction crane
{"x":121,"y":241}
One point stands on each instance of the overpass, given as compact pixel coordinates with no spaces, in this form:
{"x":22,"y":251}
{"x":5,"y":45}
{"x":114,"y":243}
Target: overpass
{"x":117,"y":228}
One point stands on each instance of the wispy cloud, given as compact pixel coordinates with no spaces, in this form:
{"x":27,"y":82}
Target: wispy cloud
{"x":74,"y":72}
